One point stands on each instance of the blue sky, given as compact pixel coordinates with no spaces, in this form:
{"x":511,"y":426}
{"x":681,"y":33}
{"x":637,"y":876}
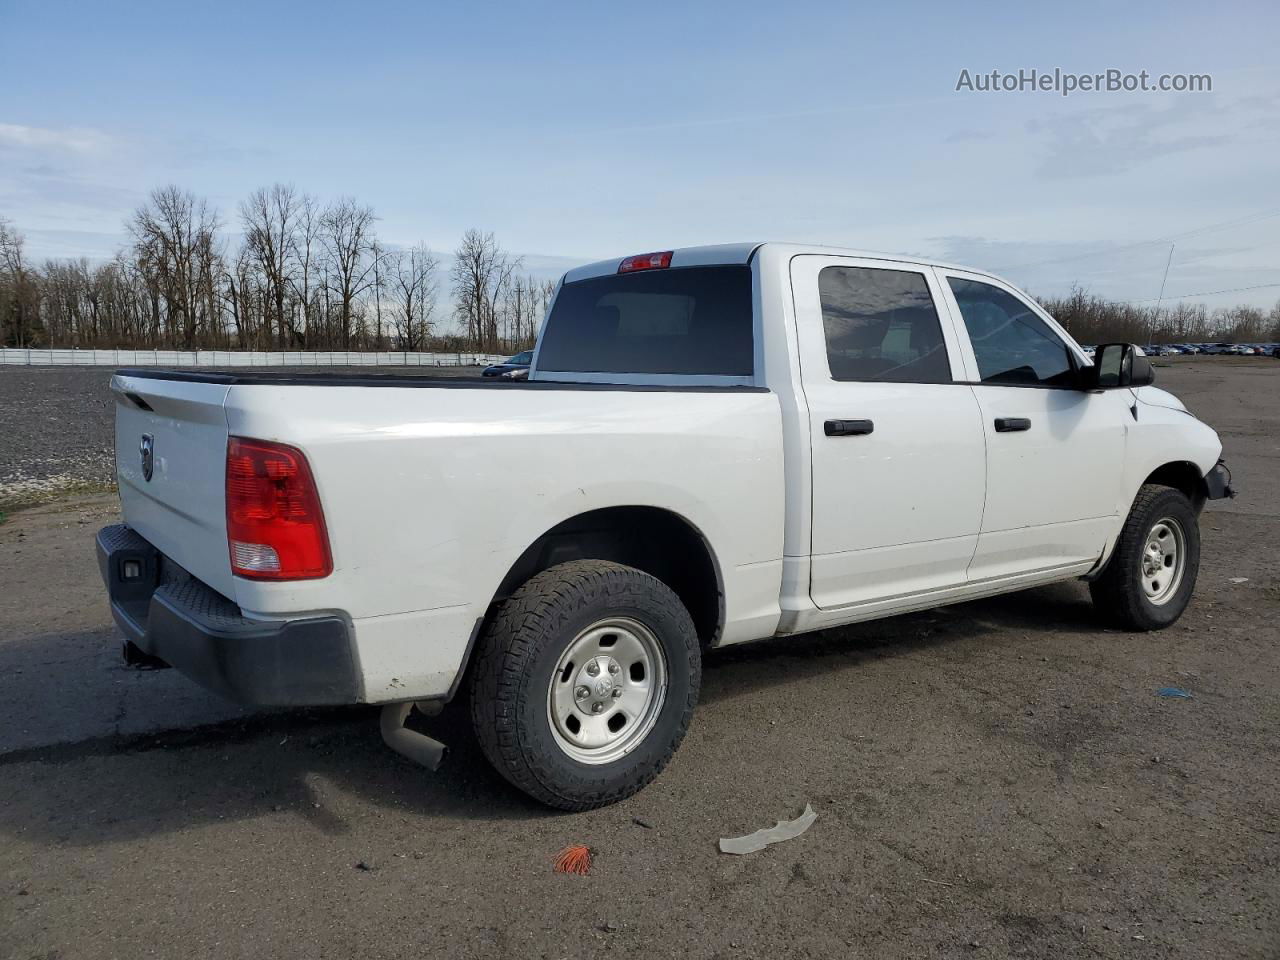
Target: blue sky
{"x":578,"y":131}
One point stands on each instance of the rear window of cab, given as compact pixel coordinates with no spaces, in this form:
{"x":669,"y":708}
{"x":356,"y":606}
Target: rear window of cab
{"x":687,"y":320}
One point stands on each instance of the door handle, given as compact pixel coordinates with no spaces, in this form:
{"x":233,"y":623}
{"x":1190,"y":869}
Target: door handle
{"x":1012,"y":424}
{"x":847,"y":428}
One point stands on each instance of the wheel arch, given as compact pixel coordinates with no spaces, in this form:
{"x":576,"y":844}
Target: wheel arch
{"x":656,"y":540}
{"x":1182,"y":475}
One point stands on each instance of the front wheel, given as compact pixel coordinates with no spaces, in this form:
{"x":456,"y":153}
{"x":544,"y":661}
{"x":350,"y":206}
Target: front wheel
{"x":1152,"y":572}
{"x":585,"y":683}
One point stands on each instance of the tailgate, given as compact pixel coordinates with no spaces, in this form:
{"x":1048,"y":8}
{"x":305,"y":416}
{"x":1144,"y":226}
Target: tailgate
{"x":180,"y":508}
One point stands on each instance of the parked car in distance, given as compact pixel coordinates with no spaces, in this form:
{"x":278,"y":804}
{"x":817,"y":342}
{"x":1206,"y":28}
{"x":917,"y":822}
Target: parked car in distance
{"x":714,"y":445}
{"x":520,"y":361}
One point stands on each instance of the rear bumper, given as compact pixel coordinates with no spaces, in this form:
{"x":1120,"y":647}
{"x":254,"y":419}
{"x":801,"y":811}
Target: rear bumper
{"x":173,"y":617}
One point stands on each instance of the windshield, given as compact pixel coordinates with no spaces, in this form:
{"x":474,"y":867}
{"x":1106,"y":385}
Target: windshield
{"x":691,"y":320}
{"x":522,"y":359}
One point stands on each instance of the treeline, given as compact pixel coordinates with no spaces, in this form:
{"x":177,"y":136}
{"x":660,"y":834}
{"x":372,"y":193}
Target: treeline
{"x":304,"y":275}
{"x":1093,"y":319}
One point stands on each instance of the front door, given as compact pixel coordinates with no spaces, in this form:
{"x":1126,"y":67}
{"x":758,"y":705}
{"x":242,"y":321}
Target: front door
{"x":1055,"y":453}
{"x":898,"y":461}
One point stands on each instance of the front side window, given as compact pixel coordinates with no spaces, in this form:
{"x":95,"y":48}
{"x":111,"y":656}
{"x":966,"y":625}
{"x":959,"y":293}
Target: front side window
{"x":881,"y":325}
{"x":1011,"y":344}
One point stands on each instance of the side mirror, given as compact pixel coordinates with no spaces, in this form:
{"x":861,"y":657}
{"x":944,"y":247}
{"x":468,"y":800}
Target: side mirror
{"x":1119,"y":365}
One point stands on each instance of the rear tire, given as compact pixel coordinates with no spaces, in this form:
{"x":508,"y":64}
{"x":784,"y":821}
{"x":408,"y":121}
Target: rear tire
{"x":1152,"y":572}
{"x":539,"y":705}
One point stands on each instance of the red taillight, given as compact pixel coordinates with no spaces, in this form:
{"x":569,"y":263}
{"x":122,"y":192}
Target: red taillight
{"x":275,"y":528}
{"x":646,"y":261}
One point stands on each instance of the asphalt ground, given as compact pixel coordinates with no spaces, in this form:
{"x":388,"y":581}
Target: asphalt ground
{"x":992,"y":779}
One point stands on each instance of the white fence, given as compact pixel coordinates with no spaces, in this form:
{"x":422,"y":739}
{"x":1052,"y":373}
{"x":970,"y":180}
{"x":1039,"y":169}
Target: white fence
{"x":236,"y":358}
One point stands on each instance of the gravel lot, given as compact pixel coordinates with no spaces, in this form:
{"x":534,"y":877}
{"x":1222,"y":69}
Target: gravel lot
{"x":58,"y":431}
{"x":992,"y":779}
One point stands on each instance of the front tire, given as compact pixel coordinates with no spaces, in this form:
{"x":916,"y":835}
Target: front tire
{"x":1152,"y":572}
{"x":585,"y":683}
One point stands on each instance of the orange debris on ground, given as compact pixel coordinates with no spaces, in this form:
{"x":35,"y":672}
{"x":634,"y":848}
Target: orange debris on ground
{"x":574,"y":859}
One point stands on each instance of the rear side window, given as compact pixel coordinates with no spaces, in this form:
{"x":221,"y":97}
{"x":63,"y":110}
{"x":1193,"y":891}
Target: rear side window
{"x":1011,"y":344}
{"x":881,"y":325}
{"x":690,"y":320}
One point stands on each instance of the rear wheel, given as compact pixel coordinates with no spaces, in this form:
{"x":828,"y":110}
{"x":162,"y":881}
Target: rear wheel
{"x":1152,"y":572}
{"x":585,"y":683}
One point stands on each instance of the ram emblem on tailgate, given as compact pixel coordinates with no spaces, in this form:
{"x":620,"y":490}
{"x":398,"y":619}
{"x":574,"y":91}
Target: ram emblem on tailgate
{"x":147,"y":448}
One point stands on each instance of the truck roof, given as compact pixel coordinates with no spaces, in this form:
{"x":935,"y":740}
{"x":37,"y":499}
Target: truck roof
{"x":731,"y":253}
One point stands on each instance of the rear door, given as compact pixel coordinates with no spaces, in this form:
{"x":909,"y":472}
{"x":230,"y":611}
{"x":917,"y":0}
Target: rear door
{"x":171,"y":450}
{"x":898,"y":463}
{"x":1055,"y":454}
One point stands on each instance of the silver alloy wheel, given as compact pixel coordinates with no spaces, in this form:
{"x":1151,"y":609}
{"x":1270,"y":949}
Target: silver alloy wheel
{"x":607,"y":690}
{"x":1164,"y":557}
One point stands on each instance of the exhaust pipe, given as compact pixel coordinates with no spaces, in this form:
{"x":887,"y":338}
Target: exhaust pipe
{"x":418,"y":747}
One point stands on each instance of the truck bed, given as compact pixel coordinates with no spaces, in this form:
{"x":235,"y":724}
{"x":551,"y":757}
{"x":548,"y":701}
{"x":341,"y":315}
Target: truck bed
{"x":430,"y":496}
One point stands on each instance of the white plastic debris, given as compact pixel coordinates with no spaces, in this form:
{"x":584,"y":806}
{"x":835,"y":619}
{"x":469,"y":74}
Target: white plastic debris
{"x":1237,"y":580}
{"x":780,"y":831}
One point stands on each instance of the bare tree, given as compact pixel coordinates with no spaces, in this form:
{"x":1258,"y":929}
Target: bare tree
{"x":269,"y":218}
{"x":64,"y":301}
{"x":346,"y":230}
{"x":481,"y":272}
{"x":239,"y":292}
{"x":1094,"y":319}
{"x":411,"y":278}
{"x":525,"y":303}
{"x":174,"y":243}
{"x":19,"y":308}
{"x":306,"y":253}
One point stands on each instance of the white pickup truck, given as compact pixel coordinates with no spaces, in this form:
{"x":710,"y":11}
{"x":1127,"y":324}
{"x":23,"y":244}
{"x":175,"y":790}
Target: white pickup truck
{"x":714,"y":445}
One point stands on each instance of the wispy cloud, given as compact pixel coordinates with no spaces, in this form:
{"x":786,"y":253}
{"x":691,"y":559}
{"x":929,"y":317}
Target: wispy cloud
{"x":732,"y":119}
{"x":969,"y":135}
{"x":56,"y":193}
{"x":1113,"y":140}
{"x":64,"y":178}
{"x":55,"y":244}
{"x":1131,"y":271}
{"x":74,"y":139}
